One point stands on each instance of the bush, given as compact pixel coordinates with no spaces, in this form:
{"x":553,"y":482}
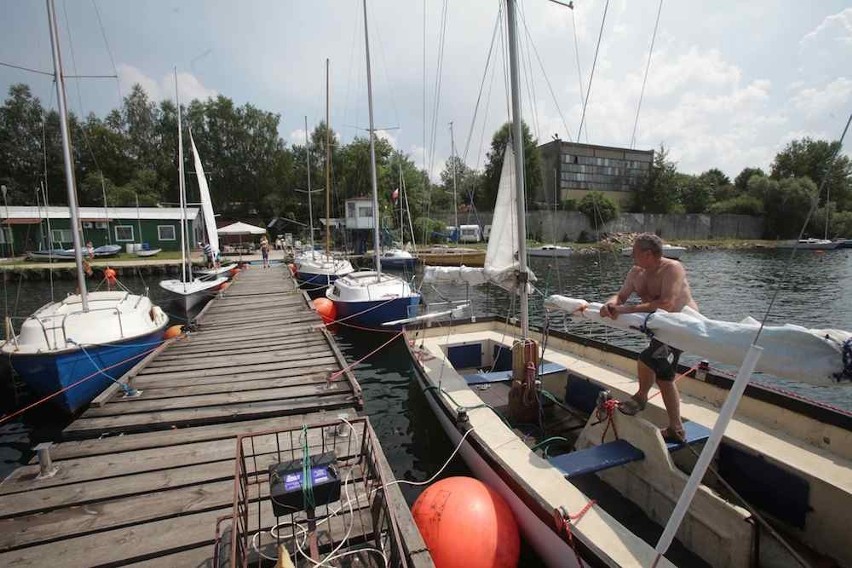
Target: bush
{"x":424,"y":226}
{"x":599,"y":208}
{"x":742,"y":205}
{"x":569,"y":205}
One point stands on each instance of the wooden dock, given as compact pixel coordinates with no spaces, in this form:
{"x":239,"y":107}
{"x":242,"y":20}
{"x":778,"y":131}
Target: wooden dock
{"x":143,"y":480}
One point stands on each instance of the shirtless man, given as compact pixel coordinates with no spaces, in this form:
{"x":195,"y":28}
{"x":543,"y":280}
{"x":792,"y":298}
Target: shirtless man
{"x":661,"y":284}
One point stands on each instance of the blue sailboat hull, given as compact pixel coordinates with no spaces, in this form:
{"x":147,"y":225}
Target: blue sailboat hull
{"x":48,"y":373}
{"x":374,"y":314}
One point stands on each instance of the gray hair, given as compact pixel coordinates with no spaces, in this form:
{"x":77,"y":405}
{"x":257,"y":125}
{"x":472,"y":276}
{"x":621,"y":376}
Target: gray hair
{"x":651,"y":242}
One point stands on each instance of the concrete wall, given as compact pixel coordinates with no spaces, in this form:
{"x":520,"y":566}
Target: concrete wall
{"x":560,"y":226}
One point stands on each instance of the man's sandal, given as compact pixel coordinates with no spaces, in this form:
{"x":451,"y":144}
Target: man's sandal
{"x":673,"y":435}
{"x":631,"y":406}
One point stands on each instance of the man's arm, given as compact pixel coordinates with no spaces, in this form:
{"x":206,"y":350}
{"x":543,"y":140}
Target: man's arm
{"x":672,"y":283}
{"x":609,"y":309}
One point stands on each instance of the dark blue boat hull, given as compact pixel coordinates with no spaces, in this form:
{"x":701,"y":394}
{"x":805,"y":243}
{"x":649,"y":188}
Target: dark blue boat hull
{"x":374,"y":314}
{"x":48,"y":373}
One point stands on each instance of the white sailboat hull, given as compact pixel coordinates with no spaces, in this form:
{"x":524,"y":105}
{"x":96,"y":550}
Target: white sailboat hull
{"x":550,"y":251}
{"x":669,"y":251}
{"x":190,"y":294}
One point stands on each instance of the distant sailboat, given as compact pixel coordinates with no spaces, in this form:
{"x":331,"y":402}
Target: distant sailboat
{"x":73,"y":349}
{"x":188,"y":290}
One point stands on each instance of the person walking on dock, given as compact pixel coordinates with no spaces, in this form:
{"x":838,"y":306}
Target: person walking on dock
{"x":264,"y":251}
{"x":661,"y":284}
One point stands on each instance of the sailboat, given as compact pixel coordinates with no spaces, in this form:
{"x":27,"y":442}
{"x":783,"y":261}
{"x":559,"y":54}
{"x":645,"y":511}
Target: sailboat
{"x":369,"y":297}
{"x":187,"y":289}
{"x":533,"y":415}
{"x":209,"y":218}
{"x":142,"y":251}
{"x":316,"y":271}
{"x":73,"y":349}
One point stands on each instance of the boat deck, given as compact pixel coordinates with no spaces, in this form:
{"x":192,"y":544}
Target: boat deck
{"x":143,"y":480}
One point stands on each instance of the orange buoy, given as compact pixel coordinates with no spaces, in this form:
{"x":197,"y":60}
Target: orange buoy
{"x":224,"y":286}
{"x":234,"y":271}
{"x":173,"y":331}
{"x":466,"y":523}
{"x":292,"y":268}
{"x":326,"y":309}
{"x":110,"y":275}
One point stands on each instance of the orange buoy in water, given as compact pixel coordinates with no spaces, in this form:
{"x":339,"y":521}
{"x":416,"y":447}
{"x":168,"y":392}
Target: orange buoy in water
{"x":466,"y":523}
{"x":173,"y":331}
{"x":326,"y":309}
{"x":292,"y":268}
{"x":110,"y":275}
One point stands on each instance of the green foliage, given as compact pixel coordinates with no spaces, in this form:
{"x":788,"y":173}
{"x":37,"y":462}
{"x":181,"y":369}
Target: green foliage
{"x":598,"y":208}
{"x":494,"y":165}
{"x":741,"y":181}
{"x":695,"y":192}
{"x":715,"y":178}
{"x":786,"y":203}
{"x":659,"y":192}
{"x":841,"y":225}
{"x":740,"y":205}
{"x":813,"y":159}
{"x":425,"y":227}
{"x":568,"y":205}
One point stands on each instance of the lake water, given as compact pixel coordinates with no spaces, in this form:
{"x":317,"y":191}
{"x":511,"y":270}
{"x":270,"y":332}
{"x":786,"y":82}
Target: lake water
{"x":729,"y":284}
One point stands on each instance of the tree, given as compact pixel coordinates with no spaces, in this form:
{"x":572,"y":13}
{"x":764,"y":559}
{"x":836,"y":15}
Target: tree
{"x":786,"y":203}
{"x":598,"y":208}
{"x":659,"y":192}
{"x":740,"y":205}
{"x":813,"y":159}
{"x":741,"y":181}
{"x":696,"y":193}
{"x":494,"y":165}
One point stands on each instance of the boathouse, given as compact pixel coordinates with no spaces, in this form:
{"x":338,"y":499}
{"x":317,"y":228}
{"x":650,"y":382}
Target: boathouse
{"x":31,"y":228}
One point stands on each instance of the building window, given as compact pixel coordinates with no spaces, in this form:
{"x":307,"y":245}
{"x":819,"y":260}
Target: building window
{"x":60,"y":235}
{"x":166,"y":232}
{"x":365,"y":211}
{"x":124,"y":233}
{"x":6,"y":235}
{"x":87,"y":224}
{"x":101,"y":225}
{"x":350,"y":210}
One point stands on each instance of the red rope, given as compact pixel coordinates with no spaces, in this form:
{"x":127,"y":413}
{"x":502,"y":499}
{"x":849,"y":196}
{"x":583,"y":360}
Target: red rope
{"x":609,"y":407}
{"x":60,"y":391}
{"x":678,"y":377}
{"x":564,"y":519}
{"x":362,"y":359}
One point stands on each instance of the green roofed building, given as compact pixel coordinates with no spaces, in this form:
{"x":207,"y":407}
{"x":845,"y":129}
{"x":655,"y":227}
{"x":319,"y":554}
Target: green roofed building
{"x":31,"y":228}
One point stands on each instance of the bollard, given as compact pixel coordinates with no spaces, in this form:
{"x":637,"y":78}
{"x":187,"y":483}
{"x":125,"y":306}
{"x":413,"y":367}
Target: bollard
{"x":47,"y":470}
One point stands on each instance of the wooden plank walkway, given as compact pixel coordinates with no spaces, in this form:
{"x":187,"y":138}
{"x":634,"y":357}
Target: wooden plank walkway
{"x":144,"y":479}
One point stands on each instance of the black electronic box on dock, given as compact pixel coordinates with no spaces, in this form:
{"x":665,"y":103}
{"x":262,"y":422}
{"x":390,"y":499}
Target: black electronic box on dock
{"x":287,"y":483}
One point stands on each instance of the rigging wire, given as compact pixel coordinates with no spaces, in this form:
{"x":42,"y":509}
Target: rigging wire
{"x":482,"y":83}
{"x":438,"y":83}
{"x":109,"y":51}
{"x":645,"y":78}
{"x":592,"y":75}
{"x":577,"y":58}
{"x":526,"y":72}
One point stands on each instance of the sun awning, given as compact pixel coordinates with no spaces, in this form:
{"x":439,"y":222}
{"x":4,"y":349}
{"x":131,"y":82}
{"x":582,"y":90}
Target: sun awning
{"x":19,"y":221}
{"x":240,"y":228}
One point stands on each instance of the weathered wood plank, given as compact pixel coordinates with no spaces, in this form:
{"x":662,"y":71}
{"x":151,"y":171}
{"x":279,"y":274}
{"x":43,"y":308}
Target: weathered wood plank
{"x":244,"y":347}
{"x":243,"y":369}
{"x":296,"y":369}
{"x":84,"y":427}
{"x":216,"y":361}
{"x":192,"y":389}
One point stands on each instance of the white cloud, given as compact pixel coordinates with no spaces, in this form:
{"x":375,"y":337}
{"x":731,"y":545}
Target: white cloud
{"x":837,"y":27}
{"x":832,"y":99}
{"x":189,"y":86}
{"x":297,"y":137}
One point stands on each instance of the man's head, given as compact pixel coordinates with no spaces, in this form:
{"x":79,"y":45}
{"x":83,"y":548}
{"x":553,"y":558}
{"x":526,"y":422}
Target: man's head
{"x":647,"y":250}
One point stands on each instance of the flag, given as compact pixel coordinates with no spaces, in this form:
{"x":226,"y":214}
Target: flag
{"x":395,"y":194}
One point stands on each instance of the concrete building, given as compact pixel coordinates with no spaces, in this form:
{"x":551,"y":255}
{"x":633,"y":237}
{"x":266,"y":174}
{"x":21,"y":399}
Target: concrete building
{"x":571,"y":170}
{"x":31,"y":228}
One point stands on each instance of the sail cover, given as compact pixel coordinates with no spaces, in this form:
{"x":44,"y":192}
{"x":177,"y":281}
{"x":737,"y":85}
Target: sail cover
{"x":206,"y":203}
{"x":791,"y":352}
{"x":501,"y":258}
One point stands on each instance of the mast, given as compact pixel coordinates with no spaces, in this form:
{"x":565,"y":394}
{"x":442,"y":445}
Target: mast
{"x":327,"y":164}
{"x":310,"y":206}
{"x":106,"y":209}
{"x":376,"y":257}
{"x":182,"y":185}
{"x":455,"y":196}
{"x":70,"y":183}
{"x":518,"y":145}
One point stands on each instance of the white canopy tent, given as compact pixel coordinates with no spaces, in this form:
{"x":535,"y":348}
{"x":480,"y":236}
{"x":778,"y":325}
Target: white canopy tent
{"x":240,"y":228}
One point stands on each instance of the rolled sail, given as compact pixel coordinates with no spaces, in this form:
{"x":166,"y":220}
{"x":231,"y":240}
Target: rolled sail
{"x":793,"y":352}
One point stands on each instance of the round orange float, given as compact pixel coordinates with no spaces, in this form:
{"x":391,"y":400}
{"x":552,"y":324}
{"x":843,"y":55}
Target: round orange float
{"x":224,"y":286}
{"x":325,"y":308}
{"x":173,"y":331}
{"x":110,"y":275}
{"x":466,"y":523}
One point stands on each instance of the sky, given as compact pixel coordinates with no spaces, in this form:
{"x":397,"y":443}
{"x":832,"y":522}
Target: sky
{"x":729,"y":85}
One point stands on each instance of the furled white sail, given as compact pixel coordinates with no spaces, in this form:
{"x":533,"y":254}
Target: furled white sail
{"x":789,"y":351}
{"x":501,"y":259}
{"x":206,"y":202}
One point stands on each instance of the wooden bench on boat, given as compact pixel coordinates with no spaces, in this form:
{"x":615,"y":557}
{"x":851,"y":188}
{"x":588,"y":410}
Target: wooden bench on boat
{"x":618,"y":452}
{"x":544,"y":369}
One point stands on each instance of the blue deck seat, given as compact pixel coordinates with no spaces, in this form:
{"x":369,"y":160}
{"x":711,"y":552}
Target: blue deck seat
{"x":503,"y":376}
{"x":618,"y":452}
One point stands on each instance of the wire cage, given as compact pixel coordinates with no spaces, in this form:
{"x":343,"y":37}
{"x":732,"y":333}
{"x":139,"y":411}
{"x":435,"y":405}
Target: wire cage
{"x":342,"y":517}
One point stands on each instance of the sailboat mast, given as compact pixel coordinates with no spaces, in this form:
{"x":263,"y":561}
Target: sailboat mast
{"x":518,"y":145}
{"x":182,"y":186}
{"x":70,"y":183}
{"x":455,"y":195}
{"x":310,"y":200}
{"x":376,"y":257}
{"x":327,"y":163}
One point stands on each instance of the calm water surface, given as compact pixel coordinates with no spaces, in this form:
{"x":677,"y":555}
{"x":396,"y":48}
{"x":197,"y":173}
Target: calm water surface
{"x":727,"y":285}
